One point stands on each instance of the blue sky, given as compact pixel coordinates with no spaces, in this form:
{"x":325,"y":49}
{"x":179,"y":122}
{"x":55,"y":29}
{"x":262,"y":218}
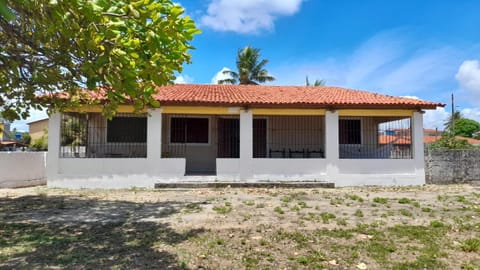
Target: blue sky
{"x":426,"y":49}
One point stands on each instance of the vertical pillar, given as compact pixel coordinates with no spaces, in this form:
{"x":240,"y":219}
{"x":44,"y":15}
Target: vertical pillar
{"x":154,"y":134}
{"x":331,"y":145}
{"x":53,"y":146}
{"x":418,"y":148}
{"x":246,"y":144}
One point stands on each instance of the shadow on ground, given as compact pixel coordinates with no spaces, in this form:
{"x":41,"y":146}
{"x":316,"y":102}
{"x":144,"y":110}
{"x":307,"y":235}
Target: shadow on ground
{"x":38,"y":232}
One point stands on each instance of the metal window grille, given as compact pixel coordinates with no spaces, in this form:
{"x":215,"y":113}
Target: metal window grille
{"x":289,"y":137}
{"x":93,"y":136}
{"x":214,"y":136}
{"x":375,"y":138}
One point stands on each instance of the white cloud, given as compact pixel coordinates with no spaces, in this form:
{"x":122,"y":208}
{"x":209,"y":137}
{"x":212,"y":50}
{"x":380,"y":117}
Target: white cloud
{"x":183,"y":79}
{"x":435,"y":118}
{"x":220,"y":76}
{"x":389,"y":62}
{"x":471,"y":113}
{"x":412,"y":97}
{"x":468,"y":76}
{"x":247,"y":16}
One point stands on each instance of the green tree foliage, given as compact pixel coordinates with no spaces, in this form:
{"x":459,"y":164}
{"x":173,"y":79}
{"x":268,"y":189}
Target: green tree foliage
{"x":315,"y":83}
{"x":127,"y":47}
{"x":26,"y":138}
{"x":450,"y":142}
{"x":41,"y":144}
{"x":466,"y":127}
{"x":250,"y":69}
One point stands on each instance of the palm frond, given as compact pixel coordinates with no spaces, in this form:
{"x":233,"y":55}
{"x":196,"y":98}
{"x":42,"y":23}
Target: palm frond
{"x":227,"y":81}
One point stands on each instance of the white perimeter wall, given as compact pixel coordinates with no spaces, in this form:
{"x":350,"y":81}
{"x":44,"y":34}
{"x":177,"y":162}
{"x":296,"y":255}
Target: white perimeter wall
{"x":115,"y":172}
{"x":21,"y":169}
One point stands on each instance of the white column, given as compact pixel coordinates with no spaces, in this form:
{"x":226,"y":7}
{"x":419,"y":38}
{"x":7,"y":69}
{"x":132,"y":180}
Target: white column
{"x":53,"y":146}
{"x":331,"y":145}
{"x":246,"y":144}
{"x":418,"y":148}
{"x":154,"y":134}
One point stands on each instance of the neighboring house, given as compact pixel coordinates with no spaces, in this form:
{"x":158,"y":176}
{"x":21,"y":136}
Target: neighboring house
{"x":4,"y":130}
{"x":37,"y":129}
{"x":240,"y":133}
{"x":402,"y":141}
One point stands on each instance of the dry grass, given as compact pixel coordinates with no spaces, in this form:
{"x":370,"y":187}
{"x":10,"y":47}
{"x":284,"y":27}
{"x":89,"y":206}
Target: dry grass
{"x":431,"y":227}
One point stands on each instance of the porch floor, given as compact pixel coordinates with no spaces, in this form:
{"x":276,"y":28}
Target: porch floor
{"x":283,"y":184}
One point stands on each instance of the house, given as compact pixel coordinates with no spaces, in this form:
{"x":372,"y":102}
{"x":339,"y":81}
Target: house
{"x":239,"y":133}
{"x":4,"y":130}
{"x":401,"y":139}
{"x":38,"y":129}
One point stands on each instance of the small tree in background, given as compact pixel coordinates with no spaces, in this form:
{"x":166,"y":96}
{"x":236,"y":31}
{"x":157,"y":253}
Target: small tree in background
{"x":466,"y":127}
{"x":250,"y":69}
{"x":315,"y":83}
{"x":41,"y":144}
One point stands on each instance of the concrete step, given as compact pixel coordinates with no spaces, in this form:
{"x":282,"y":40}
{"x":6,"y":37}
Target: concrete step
{"x":245,"y":185}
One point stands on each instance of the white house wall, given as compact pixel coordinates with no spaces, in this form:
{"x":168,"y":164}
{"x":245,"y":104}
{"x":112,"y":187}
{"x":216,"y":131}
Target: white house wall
{"x":145,"y":172}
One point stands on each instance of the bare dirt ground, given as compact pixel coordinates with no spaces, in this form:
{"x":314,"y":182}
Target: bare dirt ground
{"x":429,"y":227}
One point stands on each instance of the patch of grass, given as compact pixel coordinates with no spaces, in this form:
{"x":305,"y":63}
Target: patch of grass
{"x":336,"y":201}
{"x":250,"y":261}
{"x":249,"y":203}
{"x":278,"y":210}
{"x":286,"y":199}
{"x":472,"y":265}
{"x":192,"y":208}
{"x":303,"y":204}
{"x":354,"y":197}
{"x":421,"y":262}
{"x":342,"y":222}
{"x":326,"y":217}
{"x":471,"y":245}
{"x":462,"y":199}
{"x":260,"y":205}
{"x":358,"y":213}
{"x":427,"y":209}
{"x":406,"y":212}
{"x":216,"y":242}
{"x":224,"y":209}
{"x":404,"y":201}
{"x":380,"y":200}
{"x":442,"y":198}
{"x":437,"y":224}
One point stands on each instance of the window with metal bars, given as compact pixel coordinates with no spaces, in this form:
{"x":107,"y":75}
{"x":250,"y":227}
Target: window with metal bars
{"x":375,"y":138}
{"x":288,"y":136}
{"x":91,"y":135}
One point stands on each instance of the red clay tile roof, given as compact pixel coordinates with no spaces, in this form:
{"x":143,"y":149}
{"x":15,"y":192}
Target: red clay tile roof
{"x":386,"y":139}
{"x":406,"y":140}
{"x":274,"y":96}
{"x":262,"y":95}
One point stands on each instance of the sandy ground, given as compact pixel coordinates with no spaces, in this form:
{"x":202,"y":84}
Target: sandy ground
{"x":244,"y":224}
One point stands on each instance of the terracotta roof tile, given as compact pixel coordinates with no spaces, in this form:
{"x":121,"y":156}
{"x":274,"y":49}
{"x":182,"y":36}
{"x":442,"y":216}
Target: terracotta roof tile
{"x":252,"y":95}
{"x":278,"y":96}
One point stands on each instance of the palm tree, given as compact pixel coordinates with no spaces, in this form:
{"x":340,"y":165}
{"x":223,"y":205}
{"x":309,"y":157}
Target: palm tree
{"x":450,"y":122}
{"x":316,"y":83}
{"x":251,"y":70}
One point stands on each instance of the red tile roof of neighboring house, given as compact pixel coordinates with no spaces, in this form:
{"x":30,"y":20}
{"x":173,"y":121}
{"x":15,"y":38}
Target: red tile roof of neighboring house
{"x":386,"y":139}
{"x":406,"y":140}
{"x":266,"y":96}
